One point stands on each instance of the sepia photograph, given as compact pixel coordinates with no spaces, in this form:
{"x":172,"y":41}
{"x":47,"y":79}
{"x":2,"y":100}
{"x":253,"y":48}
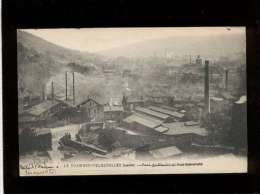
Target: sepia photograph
{"x":118,"y":101}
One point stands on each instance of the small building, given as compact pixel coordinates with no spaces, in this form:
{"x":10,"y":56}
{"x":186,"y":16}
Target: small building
{"x":132,"y":102}
{"x":160,"y":99}
{"x":114,"y":113}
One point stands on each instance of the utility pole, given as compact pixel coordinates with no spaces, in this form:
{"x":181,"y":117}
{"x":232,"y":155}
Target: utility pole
{"x":73,"y":87}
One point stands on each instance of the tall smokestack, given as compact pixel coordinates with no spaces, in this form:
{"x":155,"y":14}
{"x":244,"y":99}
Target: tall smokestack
{"x":52,"y":90}
{"x":206,"y":88}
{"x":73,"y":87}
{"x":226,"y":79}
{"x":43,"y":92}
{"x":66,"y":85}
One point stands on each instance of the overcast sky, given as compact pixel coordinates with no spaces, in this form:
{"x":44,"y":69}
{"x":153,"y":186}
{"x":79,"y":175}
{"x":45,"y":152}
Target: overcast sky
{"x":98,"y":39}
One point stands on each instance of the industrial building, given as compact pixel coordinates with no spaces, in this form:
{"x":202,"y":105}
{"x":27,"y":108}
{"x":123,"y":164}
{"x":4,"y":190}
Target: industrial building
{"x":42,"y":114}
{"x":141,"y":123}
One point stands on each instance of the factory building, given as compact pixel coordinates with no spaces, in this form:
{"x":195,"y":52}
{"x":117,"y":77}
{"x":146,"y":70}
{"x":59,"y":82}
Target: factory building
{"x":42,"y":114}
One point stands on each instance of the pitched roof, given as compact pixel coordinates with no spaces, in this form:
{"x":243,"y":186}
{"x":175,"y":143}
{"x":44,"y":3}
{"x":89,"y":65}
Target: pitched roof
{"x":168,"y":112}
{"x":99,"y":100}
{"x":151,"y":118}
{"x":152,"y":113}
{"x":168,"y":107}
{"x":142,"y":120}
{"x":42,"y":107}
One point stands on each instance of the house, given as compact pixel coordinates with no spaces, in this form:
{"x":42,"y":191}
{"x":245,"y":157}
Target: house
{"x":92,"y":109}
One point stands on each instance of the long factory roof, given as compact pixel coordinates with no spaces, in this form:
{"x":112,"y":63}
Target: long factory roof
{"x":148,"y":122}
{"x":167,"y":112}
{"x":42,"y":107}
{"x":178,"y":128}
{"x":152,"y":113}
